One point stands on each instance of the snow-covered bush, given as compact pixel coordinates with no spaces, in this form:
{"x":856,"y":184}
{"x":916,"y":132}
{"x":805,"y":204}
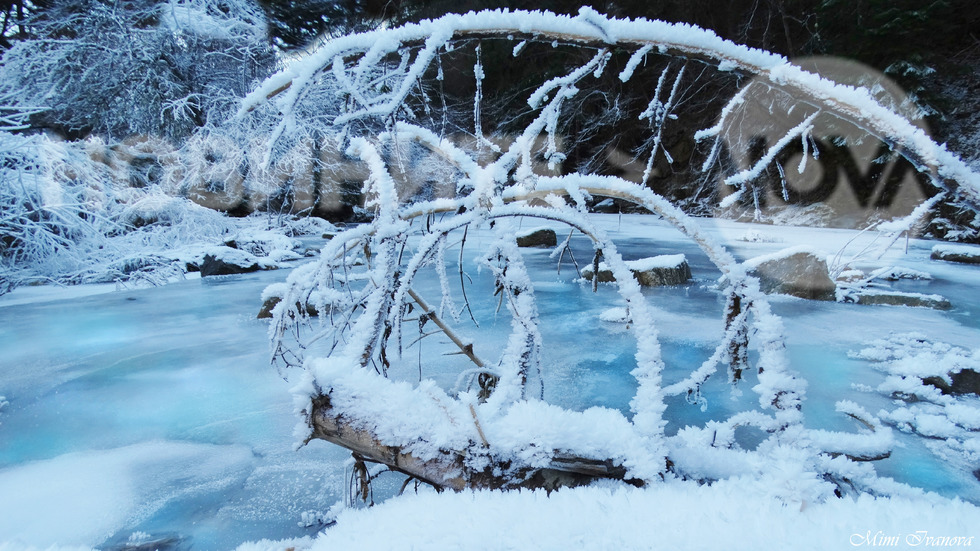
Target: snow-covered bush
{"x":494,"y":429}
{"x":53,"y":206}
{"x":66,"y":218}
{"x":136,"y":68}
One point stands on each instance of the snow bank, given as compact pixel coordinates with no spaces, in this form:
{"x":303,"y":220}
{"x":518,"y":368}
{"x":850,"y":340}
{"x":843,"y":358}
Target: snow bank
{"x":84,"y":498}
{"x":735,"y":514}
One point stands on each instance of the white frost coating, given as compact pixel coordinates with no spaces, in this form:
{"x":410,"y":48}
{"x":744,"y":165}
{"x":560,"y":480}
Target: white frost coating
{"x":661,"y":261}
{"x":541,"y":94}
{"x":906,"y":222}
{"x":657,"y":113}
{"x":733,"y":103}
{"x":732,"y":198}
{"x":393,"y":252}
{"x":634,"y":62}
{"x":753,"y":172}
{"x":592,"y":27}
{"x":963,"y":250}
{"x":726,"y":65}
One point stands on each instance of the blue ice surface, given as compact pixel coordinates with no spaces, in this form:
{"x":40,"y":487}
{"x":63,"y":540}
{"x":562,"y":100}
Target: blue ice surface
{"x":188,"y":363}
{"x":185,"y":363}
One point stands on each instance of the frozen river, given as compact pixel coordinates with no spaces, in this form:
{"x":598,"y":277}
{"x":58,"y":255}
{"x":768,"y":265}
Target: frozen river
{"x":154,"y":413}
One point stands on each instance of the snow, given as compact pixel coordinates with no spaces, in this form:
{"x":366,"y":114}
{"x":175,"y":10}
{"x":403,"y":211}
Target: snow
{"x":757,"y":261}
{"x":157,"y":375}
{"x":643,"y":264}
{"x":615,"y":315}
{"x":530,"y":231}
{"x":81,"y":498}
{"x":737,"y":514}
{"x":654,"y":262}
{"x":950,"y":249}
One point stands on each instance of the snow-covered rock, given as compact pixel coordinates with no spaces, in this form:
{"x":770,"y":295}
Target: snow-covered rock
{"x":273,"y":295}
{"x":262,"y":243}
{"x":965,"y":381}
{"x":965,"y":254}
{"x":214,"y":266}
{"x":222,"y":260}
{"x":538,"y":237}
{"x":607,"y":205}
{"x":895,"y":298}
{"x":655,"y":271}
{"x":797,"y":271}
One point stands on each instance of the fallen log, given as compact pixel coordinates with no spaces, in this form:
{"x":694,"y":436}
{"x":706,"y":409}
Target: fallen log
{"x":450,"y":469}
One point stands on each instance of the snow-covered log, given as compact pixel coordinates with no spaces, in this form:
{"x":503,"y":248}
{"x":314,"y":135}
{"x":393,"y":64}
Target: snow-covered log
{"x":448,"y":469}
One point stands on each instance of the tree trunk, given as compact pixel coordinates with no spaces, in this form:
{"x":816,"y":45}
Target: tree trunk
{"x":449,"y":469}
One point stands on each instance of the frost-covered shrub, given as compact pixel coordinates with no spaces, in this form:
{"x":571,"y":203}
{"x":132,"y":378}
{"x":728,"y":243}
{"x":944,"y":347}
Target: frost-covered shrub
{"x":65,"y":217}
{"x":54,"y":206}
{"x":136,"y":68}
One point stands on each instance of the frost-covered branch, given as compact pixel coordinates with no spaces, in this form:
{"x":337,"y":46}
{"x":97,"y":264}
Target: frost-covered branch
{"x":363,"y":288}
{"x":590,"y":28}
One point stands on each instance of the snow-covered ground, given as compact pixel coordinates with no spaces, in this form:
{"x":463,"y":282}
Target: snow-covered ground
{"x":145,"y":415}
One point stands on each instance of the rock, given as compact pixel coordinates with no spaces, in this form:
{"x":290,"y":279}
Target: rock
{"x":266,"y":311}
{"x":262,"y":243}
{"x":213,"y":266}
{"x":671,"y":269}
{"x":795,"y":271}
{"x":938,"y":382}
{"x":219,"y":260}
{"x":895,"y":298}
{"x":605,"y":274}
{"x":956,"y":253}
{"x":540,"y":237}
{"x":607,"y":206}
{"x":966,"y":381}
{"x":656,"y":271}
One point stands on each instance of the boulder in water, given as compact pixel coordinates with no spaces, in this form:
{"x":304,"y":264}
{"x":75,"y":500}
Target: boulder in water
{"x":539,"y":237}
{"x":795,"y":271}
{"x":655,"y":271}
